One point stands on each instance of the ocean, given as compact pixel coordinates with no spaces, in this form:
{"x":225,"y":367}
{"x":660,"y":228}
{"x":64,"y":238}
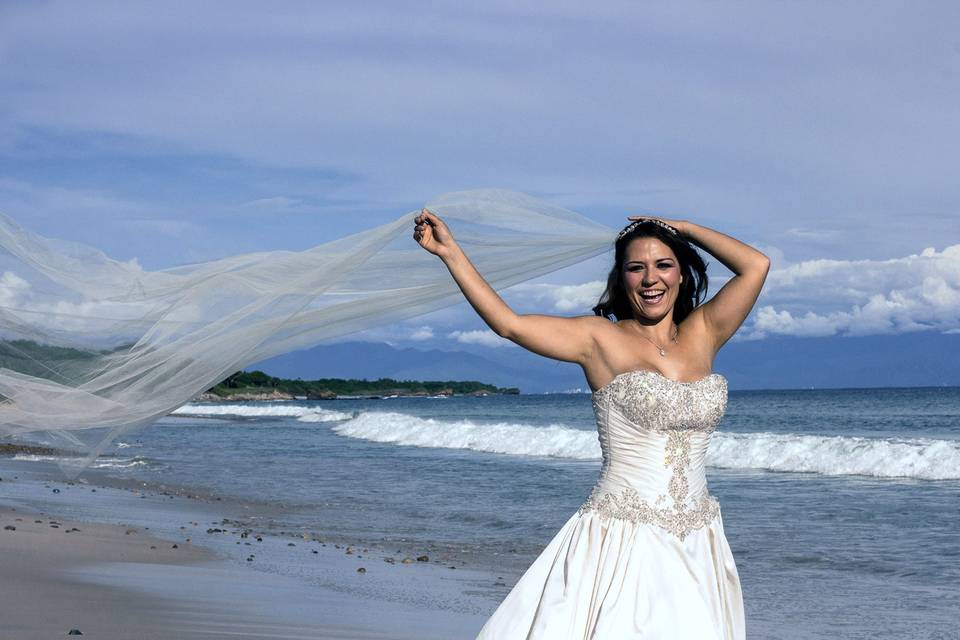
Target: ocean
{"x":841,"y":506}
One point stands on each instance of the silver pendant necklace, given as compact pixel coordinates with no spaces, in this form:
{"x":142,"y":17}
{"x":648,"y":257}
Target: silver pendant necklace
{"x":663,"y":353}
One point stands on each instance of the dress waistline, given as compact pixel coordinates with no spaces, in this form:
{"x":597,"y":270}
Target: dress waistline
{"x":679,"y":519}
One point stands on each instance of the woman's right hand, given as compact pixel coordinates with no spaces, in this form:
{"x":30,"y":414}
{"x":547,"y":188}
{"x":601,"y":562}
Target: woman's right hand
{"x":432,"y":234}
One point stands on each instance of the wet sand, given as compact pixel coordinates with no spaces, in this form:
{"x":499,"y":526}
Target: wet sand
{"x":117,"y":582}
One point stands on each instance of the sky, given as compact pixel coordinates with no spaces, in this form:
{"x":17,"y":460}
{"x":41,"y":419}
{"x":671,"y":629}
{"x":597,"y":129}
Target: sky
{"x":825,"y":134}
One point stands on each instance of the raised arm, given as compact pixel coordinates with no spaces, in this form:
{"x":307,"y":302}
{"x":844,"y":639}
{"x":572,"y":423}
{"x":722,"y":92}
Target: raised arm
{"x":725,"y":312}
{"x":569,"y":339}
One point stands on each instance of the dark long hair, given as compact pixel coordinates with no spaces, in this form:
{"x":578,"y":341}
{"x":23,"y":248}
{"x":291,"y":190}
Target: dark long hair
{"x":693,"y":289}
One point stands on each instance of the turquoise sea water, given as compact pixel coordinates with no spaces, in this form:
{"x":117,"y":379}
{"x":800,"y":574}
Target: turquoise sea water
{"x":842,"y":507}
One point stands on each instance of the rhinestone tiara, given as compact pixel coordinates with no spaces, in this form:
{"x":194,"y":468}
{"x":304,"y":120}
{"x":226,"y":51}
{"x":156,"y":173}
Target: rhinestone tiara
{"x":636,"y":223}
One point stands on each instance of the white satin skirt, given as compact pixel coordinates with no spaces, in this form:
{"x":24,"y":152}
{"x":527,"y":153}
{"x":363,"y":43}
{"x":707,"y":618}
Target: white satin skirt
{"x":604,"y":578}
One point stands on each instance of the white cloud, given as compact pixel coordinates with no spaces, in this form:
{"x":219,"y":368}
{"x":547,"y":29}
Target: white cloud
{"x":422,"y":333}
{"x":484,"y":337}
{"x":862,"y":297}
{"x":11,"y":287}
{"x":35,"y":313}
{"x":578,"y":299}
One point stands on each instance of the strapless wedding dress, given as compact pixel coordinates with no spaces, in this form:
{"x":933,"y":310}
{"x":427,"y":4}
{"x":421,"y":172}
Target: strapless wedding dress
{"x":645,"y":556}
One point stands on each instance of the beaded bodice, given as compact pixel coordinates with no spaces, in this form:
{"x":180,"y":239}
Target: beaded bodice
{"x":654,"y":433}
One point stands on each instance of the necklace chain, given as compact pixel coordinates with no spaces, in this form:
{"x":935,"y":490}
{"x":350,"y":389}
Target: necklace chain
{"x":676,"y":332}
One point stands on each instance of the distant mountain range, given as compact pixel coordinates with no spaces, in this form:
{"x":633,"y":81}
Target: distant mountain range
{"x":904,"y":360}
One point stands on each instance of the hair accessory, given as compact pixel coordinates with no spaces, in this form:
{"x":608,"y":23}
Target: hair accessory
{"x":636,"y":223}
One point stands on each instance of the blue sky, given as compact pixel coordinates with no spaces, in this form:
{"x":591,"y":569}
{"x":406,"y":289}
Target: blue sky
{"x":825,"y":134}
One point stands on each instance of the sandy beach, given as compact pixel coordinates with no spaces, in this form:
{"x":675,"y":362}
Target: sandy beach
{"x":40,"y":599}
{"x":122,"y":581}
{"x":49,"y":586}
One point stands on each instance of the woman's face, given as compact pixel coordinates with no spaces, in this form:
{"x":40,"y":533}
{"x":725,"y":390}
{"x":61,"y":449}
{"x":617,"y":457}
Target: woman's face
{"x":651,"y":278}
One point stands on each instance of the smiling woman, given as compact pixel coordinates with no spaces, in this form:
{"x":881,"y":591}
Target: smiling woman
{"x":645,"y":555}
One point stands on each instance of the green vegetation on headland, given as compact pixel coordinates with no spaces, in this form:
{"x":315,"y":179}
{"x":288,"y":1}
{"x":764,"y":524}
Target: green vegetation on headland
{"x":256,"y":385}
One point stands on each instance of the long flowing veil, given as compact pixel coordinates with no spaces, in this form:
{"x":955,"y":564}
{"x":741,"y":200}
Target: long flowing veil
{"x":92,"y":347}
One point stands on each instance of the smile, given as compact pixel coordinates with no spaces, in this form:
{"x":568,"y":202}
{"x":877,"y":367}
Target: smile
{"x":652,"y":296}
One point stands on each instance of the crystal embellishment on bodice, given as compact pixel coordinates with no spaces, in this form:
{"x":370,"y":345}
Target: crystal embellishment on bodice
{"x":654,"y":433}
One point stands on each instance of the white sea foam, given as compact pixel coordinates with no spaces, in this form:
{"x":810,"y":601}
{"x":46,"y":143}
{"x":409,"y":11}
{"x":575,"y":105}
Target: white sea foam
{"x":100,"y":463}
{"x":921,"y":458}
{"x":35,"y":458}
{"x":106,"y":463}
{"x":503,"y":437}
{"x":302,"y":413}
{"x":324,"y":415}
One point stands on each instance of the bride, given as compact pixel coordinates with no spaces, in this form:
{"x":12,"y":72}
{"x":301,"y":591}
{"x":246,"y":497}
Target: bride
{"x":645,"y":556}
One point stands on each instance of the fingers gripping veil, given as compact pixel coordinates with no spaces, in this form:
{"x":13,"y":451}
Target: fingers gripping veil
{"x":91,"y":347}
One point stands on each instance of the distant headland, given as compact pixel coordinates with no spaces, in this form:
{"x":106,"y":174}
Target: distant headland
{"x":257,"y":385}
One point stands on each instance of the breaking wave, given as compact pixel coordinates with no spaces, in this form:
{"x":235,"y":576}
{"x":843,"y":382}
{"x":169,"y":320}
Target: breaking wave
{"x":504,"y":437}
{"x":300,"y":412}
{"x":920,"y":458}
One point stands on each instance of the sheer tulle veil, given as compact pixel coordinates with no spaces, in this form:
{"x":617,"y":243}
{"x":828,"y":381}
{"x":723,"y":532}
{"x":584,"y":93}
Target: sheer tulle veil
{"x":92,"y":347}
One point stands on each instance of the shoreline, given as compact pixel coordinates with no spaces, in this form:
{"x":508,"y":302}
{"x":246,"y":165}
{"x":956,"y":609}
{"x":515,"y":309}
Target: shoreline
{"x":177,"y":567}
